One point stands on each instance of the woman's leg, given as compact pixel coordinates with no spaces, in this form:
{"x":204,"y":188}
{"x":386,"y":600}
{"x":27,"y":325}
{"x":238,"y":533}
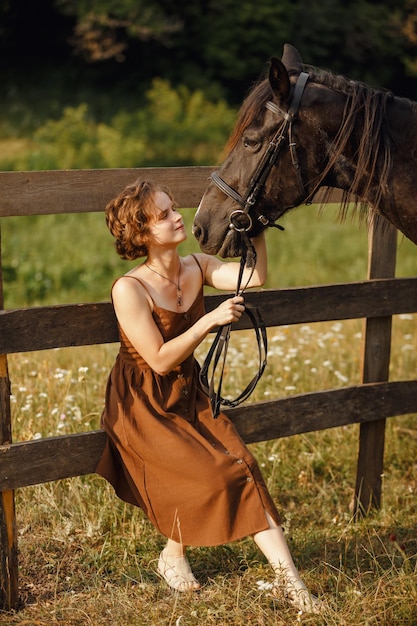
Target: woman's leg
{"x":175,"y":569}
{"x":287,"y":579}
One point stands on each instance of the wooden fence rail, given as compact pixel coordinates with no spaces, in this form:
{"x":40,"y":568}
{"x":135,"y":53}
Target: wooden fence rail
{"x":40,"y":328}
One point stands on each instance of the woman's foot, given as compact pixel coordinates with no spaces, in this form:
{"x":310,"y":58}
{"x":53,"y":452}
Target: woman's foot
{"x":176,"y":572}
{"x":297,"y":595}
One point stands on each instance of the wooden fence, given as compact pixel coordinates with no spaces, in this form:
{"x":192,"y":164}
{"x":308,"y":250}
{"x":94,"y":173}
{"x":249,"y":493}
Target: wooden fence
{"x":370,"y":403}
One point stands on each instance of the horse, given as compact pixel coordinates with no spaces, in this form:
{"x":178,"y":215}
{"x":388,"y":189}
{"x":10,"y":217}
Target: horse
{"x":302,"y":128}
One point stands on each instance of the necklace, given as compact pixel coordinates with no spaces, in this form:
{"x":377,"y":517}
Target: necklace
{"x":177,"y":284}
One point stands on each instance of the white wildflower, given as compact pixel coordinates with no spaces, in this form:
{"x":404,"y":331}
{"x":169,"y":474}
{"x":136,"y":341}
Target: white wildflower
{"x":264,"y":586}
{"x":341,"y":377}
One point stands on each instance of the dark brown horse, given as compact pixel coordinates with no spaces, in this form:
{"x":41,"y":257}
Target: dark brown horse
{"x":301,"y":129}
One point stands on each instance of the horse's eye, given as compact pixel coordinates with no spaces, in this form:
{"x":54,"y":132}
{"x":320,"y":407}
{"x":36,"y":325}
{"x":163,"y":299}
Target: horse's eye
{"x":252,"y":144}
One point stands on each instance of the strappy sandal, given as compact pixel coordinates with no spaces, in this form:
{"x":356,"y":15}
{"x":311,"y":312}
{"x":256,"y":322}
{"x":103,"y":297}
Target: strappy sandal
{"x":176,"y":572}
{"x":300,"y":599}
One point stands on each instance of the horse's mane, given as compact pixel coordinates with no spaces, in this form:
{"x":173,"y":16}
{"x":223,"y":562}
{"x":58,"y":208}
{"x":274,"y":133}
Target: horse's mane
{"x":374,"y":154}
{"x":373,"y":142}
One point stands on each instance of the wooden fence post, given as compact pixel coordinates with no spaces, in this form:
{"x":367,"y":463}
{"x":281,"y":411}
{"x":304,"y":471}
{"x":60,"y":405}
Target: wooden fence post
{"x":9,"y":583}
{"x":376,"y":351}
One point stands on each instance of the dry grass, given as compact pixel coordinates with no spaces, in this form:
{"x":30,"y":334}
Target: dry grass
{"x":87,"y":558}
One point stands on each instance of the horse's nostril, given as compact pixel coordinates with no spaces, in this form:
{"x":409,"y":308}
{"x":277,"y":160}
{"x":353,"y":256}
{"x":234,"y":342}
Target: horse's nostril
{"x":197,"y":232}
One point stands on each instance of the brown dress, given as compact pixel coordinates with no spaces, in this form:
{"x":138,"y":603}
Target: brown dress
{"x":191,"y":474}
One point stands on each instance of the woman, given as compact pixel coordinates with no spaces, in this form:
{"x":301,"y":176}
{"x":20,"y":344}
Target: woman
{"x":191,"y":474}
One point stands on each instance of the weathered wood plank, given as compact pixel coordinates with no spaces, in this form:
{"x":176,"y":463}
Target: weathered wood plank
{"x":9,"y":585}
{"x":40,"y":328}
{"x":32,"y":462}
{"x":9,"y":572}
{"x":324,"y":409}
{"x":336,"y":302}
{"x":80,"y":191}
{"x":43,"y":460}
{"x":376,"y":354}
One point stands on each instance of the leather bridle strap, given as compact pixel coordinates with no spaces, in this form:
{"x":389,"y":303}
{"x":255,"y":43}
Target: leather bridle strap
{"x":270,"y":157}
{"x":227,"y":190}
{"x":218,"y":349}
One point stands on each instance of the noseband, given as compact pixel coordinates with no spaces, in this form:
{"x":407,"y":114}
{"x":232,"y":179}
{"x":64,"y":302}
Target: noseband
{"x":241,"y":219}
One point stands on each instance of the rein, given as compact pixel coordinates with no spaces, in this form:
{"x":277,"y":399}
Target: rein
{"x":241,"y":221}
{"x":219,"y":347}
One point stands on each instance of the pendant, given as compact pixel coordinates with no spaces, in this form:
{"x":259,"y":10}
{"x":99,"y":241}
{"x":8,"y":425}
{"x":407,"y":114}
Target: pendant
{"x":179,"y":297}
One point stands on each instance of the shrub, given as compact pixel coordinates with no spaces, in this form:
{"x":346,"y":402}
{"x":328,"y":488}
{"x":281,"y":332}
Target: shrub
{"x":176,"y":127}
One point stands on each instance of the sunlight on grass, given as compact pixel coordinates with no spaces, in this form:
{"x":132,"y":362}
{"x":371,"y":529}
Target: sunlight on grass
{"x":88,"y":558}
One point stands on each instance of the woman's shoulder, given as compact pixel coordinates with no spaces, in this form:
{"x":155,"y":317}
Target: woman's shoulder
{"x":121,"y":283}
{"x":129,"y":286}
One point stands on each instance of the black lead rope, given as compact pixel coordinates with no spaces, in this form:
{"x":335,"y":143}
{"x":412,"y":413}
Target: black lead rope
{"x":219,"y":347}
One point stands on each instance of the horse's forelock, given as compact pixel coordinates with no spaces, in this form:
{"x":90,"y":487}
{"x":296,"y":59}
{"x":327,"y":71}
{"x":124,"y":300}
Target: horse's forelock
{"x":251,"y":109}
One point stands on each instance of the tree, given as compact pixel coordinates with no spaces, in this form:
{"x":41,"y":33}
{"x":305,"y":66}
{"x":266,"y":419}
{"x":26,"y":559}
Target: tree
{"x":115,"y":48}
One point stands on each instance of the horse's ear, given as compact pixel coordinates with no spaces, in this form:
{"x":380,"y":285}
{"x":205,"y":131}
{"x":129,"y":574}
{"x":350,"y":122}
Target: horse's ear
{"x":291,"y":58}
{"x":279,"y":80}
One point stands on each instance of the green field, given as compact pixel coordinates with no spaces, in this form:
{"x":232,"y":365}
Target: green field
{"x":86,"y":558}
{"x":55,"y":259}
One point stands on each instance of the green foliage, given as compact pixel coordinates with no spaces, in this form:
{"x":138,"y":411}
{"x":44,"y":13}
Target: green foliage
{"x":183,"y":128}
{"x":57,"y":259}
{"x":114,"y":49}
{"x":175,"y":127}
{"x":232,"y":39}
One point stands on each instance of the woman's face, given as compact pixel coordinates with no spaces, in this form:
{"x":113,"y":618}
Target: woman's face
{"x":168,"y":229}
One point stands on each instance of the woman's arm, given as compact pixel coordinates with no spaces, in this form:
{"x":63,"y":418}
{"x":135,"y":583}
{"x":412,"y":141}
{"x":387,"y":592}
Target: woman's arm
{"x":224,"y":275}
{"x":134,"y":312}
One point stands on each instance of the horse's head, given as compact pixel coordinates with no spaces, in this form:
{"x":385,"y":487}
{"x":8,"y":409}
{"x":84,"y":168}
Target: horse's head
{"x":264,"y":139}
{"x":297,"y":132}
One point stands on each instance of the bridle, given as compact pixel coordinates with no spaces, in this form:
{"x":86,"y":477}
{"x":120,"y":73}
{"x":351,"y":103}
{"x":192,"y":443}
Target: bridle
{"x":241,"y":219}
{"x":242,"y":222}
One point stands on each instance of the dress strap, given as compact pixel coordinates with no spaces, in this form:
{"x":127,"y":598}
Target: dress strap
{"x":198,"y":263}
{"x":134,"y":278}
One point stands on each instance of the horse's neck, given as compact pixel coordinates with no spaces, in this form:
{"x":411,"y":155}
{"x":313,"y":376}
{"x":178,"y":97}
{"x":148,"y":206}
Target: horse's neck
{"x":402,"y":122}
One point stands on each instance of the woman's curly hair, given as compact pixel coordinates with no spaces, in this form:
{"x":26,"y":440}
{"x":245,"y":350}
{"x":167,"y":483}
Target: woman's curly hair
{"x":130,"y":215}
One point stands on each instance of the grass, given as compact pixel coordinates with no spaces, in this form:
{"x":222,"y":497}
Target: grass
{"x":87,"y":558}
{"x":58,"y":259}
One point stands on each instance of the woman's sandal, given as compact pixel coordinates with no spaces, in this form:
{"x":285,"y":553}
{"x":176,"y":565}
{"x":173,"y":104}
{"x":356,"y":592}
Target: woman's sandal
{"x":304,"y":601}
{"x":300,"y":599}
{"x":176,"y":572}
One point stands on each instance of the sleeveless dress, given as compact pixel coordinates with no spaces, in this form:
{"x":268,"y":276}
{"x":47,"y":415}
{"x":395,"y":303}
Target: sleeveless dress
{"x":192,"y":475}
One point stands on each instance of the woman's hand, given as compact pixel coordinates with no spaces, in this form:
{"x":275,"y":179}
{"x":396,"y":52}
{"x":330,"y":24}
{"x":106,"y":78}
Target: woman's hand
{"x":228,"y":311}
{"x":224,"y":275}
